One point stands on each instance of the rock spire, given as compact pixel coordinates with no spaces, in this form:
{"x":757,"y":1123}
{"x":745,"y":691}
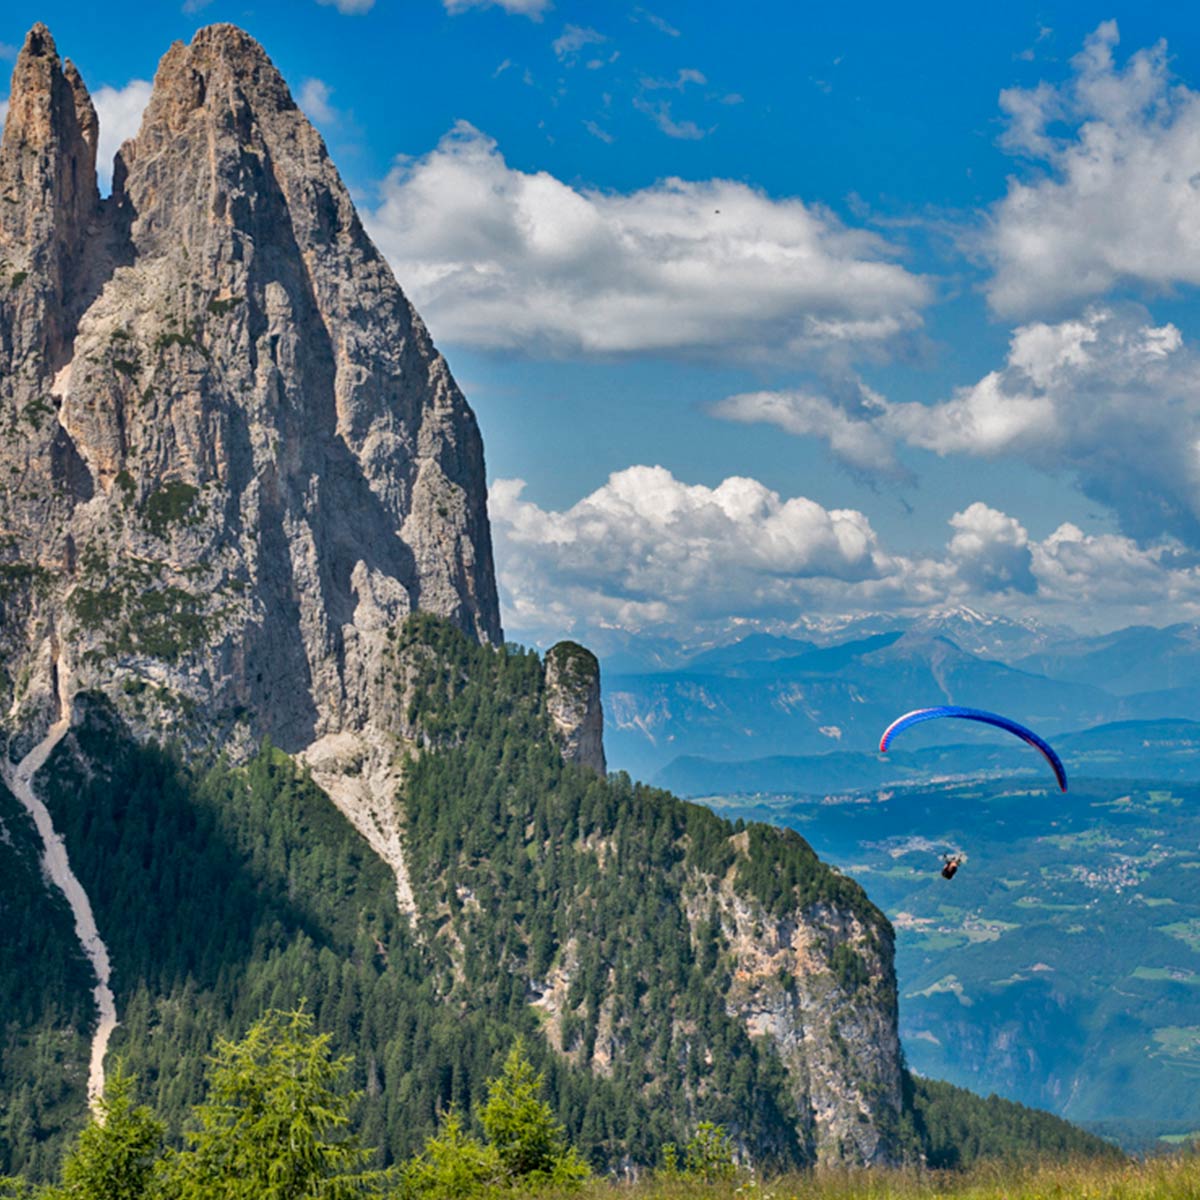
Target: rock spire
{"x":230,"y":455}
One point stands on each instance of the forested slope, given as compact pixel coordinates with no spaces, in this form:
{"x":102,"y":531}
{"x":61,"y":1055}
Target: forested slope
{"x":591,"y":915}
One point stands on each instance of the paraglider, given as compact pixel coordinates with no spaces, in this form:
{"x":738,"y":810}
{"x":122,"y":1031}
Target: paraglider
{"x":988,"y":718}
{"x":953,"y":862}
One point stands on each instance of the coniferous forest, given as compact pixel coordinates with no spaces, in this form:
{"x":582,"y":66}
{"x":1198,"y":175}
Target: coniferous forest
{"x":227,"y":891}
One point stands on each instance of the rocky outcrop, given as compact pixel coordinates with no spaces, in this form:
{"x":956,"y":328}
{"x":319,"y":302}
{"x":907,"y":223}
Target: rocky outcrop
{"x":817,"y":985}
{"x":820,"y":986}
{"x":232,"y":457}
{"x":573,"y":701}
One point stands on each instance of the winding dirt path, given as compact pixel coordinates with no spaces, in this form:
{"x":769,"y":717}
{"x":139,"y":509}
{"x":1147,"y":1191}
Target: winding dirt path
{"x":58,"y":867}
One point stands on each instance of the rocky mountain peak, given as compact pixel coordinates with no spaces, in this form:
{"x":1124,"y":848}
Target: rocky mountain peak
{"x":48,"y":195}
{"x":232,"y":457}
{"x":50,"y":114}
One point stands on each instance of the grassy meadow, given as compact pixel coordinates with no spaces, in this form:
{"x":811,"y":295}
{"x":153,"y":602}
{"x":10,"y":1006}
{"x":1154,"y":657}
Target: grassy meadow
{"x":1175,"y":1177}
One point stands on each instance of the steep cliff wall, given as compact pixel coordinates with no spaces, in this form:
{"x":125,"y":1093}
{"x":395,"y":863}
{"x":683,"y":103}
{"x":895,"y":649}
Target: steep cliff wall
{"x":818,"y":984}
{"x":231,"y":455}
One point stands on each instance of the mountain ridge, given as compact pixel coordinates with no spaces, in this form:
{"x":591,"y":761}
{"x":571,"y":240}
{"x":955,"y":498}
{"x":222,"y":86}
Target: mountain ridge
{"x":741,"y":702}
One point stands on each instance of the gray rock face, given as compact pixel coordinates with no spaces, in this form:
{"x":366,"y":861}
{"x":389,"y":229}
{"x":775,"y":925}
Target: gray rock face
{"x":573,"y":701}
{"x":838,"y":1039}
{"x":231,"y":456}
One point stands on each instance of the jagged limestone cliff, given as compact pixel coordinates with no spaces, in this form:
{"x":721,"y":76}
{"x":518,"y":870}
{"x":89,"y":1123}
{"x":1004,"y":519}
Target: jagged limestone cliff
{"x":234,"y":456}
{"x":231,"y":464}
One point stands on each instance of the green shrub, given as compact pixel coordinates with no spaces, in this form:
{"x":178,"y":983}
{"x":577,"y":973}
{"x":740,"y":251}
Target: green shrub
{"x":531,"y":1145}
{"x":453,"y":1164}
{"x":125,"y":482}
{"x":848,"y":967}
{"x":95,"y":608}
{"x":35,"y":410}
{"x":708,"y":1156}
{"x":169,"y":505}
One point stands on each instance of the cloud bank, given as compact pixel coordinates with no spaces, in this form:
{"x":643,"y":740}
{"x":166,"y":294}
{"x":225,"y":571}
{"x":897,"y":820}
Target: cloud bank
{"x":653,"y":555}
{"x":1108,"y":397}
{"x":498,"y":258}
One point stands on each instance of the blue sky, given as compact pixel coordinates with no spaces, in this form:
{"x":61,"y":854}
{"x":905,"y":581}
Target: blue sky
{"x":775,"y":313}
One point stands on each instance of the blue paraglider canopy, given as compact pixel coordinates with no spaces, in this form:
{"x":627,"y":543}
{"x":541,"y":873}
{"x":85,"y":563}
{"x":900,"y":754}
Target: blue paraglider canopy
{"x":988,"y":718}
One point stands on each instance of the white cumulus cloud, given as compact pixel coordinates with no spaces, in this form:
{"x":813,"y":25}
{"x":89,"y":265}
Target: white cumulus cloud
{"x":991,"y":551}
{"x":500,"y":258}
{"x":647,"y":548}
{"x":1117,"y":196}
{"x":651,"y":554}
{"x":119,"y":111}
{"x":1109,"y":398}
{"x":1108,"y":572}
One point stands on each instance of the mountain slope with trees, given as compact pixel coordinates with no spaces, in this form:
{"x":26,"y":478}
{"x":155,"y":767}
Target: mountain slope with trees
{"x":594,"y":918}
{"x":223,"y":890}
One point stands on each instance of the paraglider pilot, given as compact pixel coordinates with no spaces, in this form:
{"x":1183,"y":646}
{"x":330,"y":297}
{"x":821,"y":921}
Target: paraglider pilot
{"x":952,"y":862}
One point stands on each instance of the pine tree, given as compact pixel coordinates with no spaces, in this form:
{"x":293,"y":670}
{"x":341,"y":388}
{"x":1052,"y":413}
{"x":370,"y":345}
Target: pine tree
{"x":274,"y":1125}
{"x":453,"y":1164}
{"x":531,"y":1144}
{"x":116,"y":1154}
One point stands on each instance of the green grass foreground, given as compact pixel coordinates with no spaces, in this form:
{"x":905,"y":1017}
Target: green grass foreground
{"x":1175,"y":1177}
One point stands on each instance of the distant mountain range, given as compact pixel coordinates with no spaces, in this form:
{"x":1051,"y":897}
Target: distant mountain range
{"x":1163,"y":750}
{"x":826,"y":698}
{"x":1061,"y":966}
